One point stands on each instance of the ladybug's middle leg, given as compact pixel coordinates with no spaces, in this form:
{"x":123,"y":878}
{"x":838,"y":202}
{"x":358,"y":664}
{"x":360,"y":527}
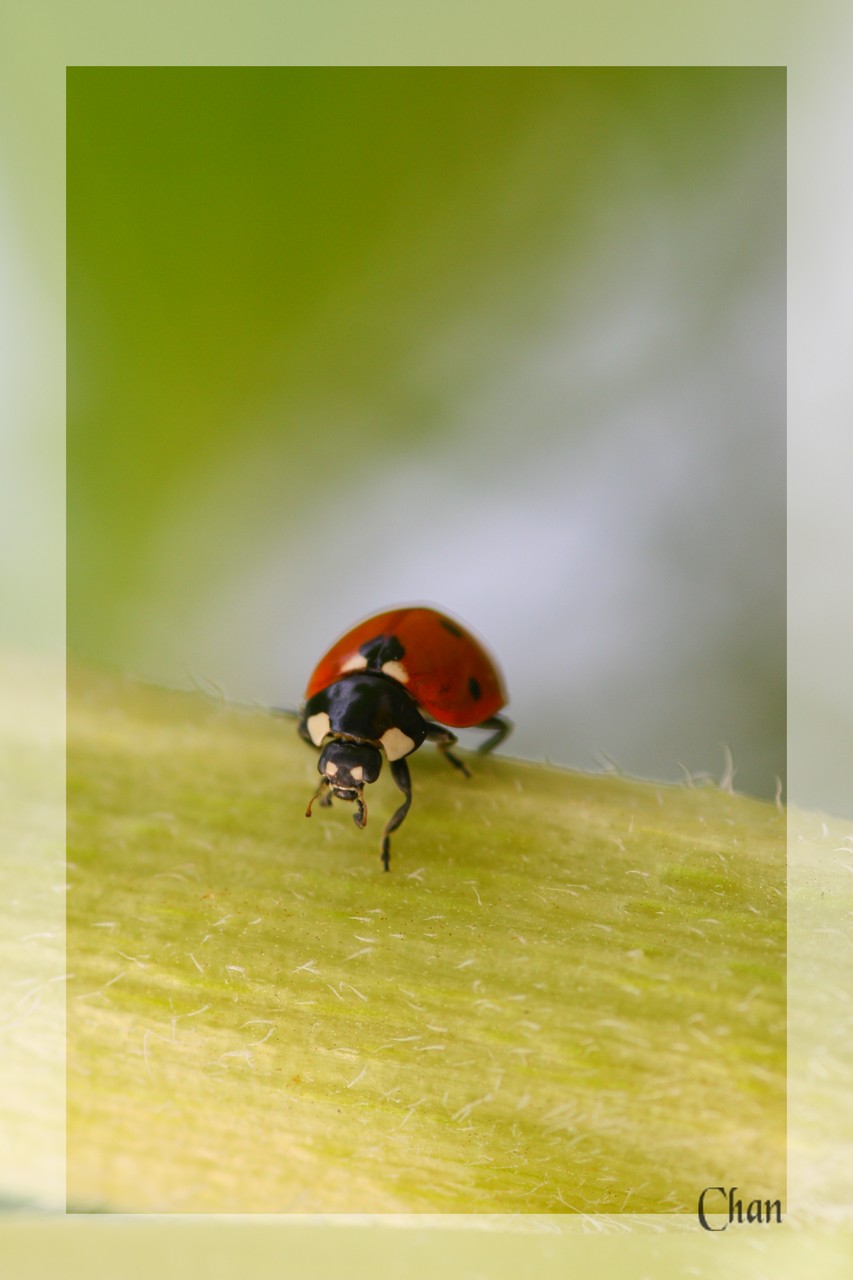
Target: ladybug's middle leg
{"x":500,"y":727}
{"x":444,"y":740}
{"x":402,"y":777}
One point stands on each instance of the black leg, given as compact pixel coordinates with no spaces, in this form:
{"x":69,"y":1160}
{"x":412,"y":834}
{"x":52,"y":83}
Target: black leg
{"x":400,"y":774}
{"x":360,"y":815}
{"x":444,"y":740}
{"x":501,"y":726}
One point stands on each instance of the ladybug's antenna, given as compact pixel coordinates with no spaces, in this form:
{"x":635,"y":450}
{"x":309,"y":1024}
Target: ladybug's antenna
{"x":324,"y":783}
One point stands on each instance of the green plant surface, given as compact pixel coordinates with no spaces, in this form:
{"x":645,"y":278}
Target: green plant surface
{"x":32,"y":937}
{"x":567,"y":996}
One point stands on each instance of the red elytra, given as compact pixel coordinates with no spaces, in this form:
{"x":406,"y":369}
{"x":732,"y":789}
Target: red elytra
{"x":447,"y":671}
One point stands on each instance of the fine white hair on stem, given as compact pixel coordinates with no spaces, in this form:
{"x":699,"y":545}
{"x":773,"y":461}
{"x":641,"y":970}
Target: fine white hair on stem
{"x":464,"y":1112}
{"x":149,"y":1035}
{"x":98,"y":991}
{"x":365,"y":951}
{"x":777,"y":796}
{"x":355,"y":991}
{"x":729,"y":770}
{"x":204,"y":685}
{"x":610,"y":764}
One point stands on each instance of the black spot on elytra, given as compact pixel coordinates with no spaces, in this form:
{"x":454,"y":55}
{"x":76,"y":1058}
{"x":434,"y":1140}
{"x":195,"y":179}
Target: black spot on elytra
{"x":451,"y":627}
{"x":474,"y":686}
{"x":381,"y":649}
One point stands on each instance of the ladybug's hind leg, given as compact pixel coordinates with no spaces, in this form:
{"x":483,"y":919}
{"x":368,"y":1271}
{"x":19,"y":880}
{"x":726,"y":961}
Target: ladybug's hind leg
{"x":402,"y":777}
{"x":501,"y":729}
{"x":444,"y":740}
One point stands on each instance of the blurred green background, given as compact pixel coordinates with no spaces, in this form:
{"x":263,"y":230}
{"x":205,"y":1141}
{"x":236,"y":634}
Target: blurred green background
{"x":507,"y":340}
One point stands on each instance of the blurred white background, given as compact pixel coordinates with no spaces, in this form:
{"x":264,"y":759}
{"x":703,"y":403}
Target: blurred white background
{"x":579,"y":450}
{"x":646,"y":536}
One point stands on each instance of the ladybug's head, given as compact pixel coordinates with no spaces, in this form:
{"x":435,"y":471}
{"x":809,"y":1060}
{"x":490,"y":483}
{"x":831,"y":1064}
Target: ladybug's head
{"x":346,"y":768}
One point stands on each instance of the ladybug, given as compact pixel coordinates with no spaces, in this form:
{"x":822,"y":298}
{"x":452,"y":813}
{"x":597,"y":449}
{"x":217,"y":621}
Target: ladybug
{"x":389,"y":684}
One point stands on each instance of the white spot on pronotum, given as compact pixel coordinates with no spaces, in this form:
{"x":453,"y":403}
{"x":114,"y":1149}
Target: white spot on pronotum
{"x":396,"y":744}
{"x":318,"y":726}
{"x":396,"y":671}
{"x":356,"y":663}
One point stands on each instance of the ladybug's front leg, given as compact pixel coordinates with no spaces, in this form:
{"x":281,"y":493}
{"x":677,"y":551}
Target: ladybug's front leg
{"x":402,"y":777}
